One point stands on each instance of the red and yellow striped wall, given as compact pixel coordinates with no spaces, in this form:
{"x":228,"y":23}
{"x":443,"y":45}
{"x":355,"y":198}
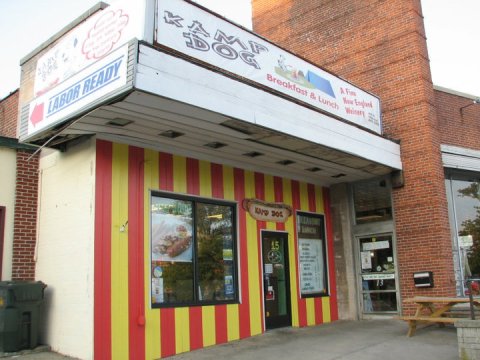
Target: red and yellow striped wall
{"x":125,"y":325}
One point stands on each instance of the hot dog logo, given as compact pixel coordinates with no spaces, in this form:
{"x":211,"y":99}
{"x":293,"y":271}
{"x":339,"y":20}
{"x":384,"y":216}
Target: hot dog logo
{"x":265,"y":211}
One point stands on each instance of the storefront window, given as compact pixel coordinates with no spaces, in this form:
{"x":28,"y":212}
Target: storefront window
{"x":372,"y":201}
{"x":192,"y":251}
{"x":463,"y":190}
{"x":378,"y":274}
{"x":312,"y":255}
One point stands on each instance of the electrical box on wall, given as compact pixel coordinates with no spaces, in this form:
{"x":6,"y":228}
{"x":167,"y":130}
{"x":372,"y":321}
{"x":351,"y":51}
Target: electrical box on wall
{"x":423,"y":279}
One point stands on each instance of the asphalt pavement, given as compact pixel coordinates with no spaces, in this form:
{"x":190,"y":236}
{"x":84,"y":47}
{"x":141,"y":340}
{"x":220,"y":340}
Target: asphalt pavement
{"x":342,"y":340}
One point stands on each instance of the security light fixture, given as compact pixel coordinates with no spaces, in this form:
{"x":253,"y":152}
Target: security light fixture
{"x":285,"y":162}
{"x":475,"y":101}
{"x":172,"y":134}
{"x":253,"y":154}
{"x":119,"y":122}
{"x":215,"y":145}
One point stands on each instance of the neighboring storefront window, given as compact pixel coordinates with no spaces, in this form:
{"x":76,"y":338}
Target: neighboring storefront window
{"x":193,"y":257}
{"x":463,"y":190}
{"x":372,"y":201}
{"x":378,"y":274}
{"x":312,"y":255}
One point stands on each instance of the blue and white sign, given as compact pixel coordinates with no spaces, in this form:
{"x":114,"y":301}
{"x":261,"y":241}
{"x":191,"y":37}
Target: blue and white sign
{"x":94,"y":82}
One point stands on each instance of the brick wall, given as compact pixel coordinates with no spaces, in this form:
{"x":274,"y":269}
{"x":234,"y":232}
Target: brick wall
{"x":25,"y":218}
{"x":458,"y":128}
{"x":26,"y":192}
{"x":381,"y":46}
{"x":8,"y":115}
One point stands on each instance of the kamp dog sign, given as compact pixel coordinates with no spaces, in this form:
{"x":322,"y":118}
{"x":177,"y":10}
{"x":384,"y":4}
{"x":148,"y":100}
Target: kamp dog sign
{"x":265,"y":211}
{"x":192,"y":31}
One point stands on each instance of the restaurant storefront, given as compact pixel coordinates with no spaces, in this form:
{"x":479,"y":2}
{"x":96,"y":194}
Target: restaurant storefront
{"x":190,"y":203}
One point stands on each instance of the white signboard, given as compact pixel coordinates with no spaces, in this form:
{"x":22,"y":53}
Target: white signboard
{"x":78,"y":91}
{"x":378,"y":276}
{"x":195,"y":32}
{"x":465,"y":241}
{"x":87,"y":63}
{"x":376,"y":245}
{"x":87,"y":43}
{"x":312,"y":279}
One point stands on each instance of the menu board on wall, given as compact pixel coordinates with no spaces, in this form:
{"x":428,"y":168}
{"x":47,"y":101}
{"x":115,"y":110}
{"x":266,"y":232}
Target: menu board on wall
{"x":311,"y":253}
{"x":312,"y":278}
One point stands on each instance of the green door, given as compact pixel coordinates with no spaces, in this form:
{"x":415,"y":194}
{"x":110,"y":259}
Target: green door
{"x":276,"y":284}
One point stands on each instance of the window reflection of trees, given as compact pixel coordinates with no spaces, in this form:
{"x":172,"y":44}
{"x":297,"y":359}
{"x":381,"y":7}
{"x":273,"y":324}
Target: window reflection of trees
{"x":215,"y":249}
{"x":472,"y":227}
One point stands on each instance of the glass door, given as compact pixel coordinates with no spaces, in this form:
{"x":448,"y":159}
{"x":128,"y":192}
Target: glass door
{"x":276,"y":284}
{"x":377,"y":274}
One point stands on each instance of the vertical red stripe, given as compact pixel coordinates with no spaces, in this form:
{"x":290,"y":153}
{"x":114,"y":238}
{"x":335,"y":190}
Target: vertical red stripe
{"x":244,"y":310}
{"x":102,"y":254}
{"x":278,"y":193}
{"x":136,"y":299}
{"x":312,"y":206}
{"x":193,"y":176}
{"x":196,"y":327}
{"x":165,"y":171}
{"x":331,"y":258}
{"x":260,"y":194}
{"x":302,"y":304}
{"x":195,"y":313}
{"x":221,"y":330}
{"x":167,"y":315}
{"x":167,"y":334}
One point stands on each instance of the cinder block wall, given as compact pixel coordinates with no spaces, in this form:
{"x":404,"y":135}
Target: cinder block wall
{"x":381,"y":47}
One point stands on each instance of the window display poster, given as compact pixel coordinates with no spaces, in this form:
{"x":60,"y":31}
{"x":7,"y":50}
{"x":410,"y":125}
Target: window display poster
{"x":366,"y":260}
{"x":171,"y":230}
{"x":312,"y":279}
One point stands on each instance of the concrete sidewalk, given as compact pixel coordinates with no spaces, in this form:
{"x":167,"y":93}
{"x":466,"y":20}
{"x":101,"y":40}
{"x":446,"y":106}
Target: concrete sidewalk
{"x":342,"y":340}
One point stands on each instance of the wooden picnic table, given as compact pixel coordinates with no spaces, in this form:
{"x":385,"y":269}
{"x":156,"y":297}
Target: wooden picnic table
{"x":439,"y":310}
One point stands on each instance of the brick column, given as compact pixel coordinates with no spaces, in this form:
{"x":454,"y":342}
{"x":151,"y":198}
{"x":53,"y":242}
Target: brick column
{"x":381,"y":46}
{"x":25,"y":218}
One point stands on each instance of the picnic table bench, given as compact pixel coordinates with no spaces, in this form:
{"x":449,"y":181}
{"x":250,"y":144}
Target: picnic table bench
{"x":434,"y":310}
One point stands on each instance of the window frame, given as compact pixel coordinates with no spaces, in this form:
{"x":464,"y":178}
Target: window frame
{"x":325,"y":255}
{"x":194,"y":200}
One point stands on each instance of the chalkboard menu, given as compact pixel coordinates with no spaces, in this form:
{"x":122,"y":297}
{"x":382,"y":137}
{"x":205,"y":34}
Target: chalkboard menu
{"x":311,"y":252}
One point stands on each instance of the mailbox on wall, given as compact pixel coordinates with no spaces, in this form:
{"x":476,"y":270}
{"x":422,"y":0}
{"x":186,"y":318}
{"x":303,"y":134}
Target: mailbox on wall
{"x":423,"y":279}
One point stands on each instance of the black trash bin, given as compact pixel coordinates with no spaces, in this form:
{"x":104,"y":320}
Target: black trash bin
{"x":20,"y":304}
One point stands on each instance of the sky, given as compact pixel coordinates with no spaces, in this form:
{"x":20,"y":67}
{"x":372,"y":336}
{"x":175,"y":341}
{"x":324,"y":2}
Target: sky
{"x":451,"y":28}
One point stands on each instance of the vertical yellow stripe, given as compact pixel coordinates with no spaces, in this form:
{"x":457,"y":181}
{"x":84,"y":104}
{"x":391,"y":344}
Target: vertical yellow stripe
{"x":326,"y":309}
{"x":182,"y":318}
{"x":289,"y":227}
{"x":304,"y":197}
{"x":119,"y":252}
{"x":270,"y":197}
{"x":208,"y":312}
{"x":182,"y":330}
{"x":319,"y":199}
{"x":233,"y":320}
{"x":253,"y":261}
{"x":304,"y":205}
{"x":310,"y":311}
{"x":152,"y":324}
{"x":208,"y":325}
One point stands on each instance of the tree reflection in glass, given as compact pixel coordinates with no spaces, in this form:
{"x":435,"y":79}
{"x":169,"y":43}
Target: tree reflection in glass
{"x":215,"y":252}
